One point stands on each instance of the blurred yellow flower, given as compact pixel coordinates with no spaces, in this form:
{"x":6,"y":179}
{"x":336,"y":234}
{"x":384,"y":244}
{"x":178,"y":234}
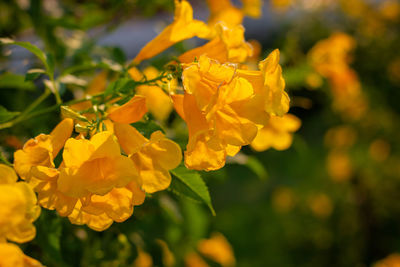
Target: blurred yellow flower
{"x":228,"y":46}
{"x":18,"y":208}
{"x":314,"y":80}
{"x":339,"y":165}
{"x":168,"y":257}
{"x":183,"y":27}
{"x":390,"y":10}
{"x":320,"y":205}
{"x":193,"y":259}
{"x":379,"y":150}
{"x":12,"y":256}
{"x":343,"y":136}
{"x":218,"y":249}
{"x":330,"y":58}
{"x":393,"y":260}
{"x":283,"y":199}
{"x":152,"y":158}
{"x":278,"y":133}
{"x":252,"y":8}
{"x":224,"y":11}
{"x":281,"y":4}
{"x":157,"y":101}
{"x":143,"y":259}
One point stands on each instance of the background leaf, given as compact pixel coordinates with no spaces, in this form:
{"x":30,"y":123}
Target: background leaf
{"x":188,"y":183}
{"x":6,"y":115}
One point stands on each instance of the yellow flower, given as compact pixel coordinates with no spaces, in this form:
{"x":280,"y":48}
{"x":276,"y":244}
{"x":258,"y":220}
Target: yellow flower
{"x":330,"y":58}
{"x":41,"y":150}
{"x":228,"y":46}
{"x":392,"y":260}
{"x":281,"y":4}
{"x":379,"y":150}
{"x":200,"y":153}
{"x":390,"y":10}
{"x":343,"y":136}
{"x":221,"y":110}
{"x":193,"y":259}
{"x":94,"y":185}
{"x":252,"y":8}
{"x":18,"y":207}
{"x":321,"y":205}
{"x":183,"y":27}
{"x":143,"y":259}
{"x":268,"y":82}
{"x":157,"y":101}
{"x":277,"y":133}
{"x":224,"y":107}
{"x":339,"y":166}
{"x":130,"y":112}
{"x":152,"y":158}
{"x":12,"y":256}
{"x":224,"y":11}
{"x":218,"y":249}
{"x":100,"y":212}
{"x":168,"y":257}
{"x":94,"y":166}
{"x":283,"y":199}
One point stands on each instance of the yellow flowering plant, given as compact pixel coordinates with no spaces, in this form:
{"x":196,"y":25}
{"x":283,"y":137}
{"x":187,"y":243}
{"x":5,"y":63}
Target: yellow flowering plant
{"x":119,"y":132}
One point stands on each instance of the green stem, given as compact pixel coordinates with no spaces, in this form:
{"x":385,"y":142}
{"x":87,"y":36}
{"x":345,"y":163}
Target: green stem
{"x":4,"y":160}
{"x":56,"y":93}
{"x":24,"y":115}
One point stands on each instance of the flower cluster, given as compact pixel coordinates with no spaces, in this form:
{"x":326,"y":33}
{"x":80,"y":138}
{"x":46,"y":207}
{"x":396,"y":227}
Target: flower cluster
{"x":97,"y":175}
{"x":95,"y":184}
{"x":18,"y":210}
{"x":330,"y":58}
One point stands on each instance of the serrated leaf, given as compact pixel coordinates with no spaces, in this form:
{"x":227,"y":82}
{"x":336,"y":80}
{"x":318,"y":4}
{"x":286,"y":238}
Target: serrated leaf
{"x":15,"y":81}
{"x":188,"y":183}
{"x":6,"y":115}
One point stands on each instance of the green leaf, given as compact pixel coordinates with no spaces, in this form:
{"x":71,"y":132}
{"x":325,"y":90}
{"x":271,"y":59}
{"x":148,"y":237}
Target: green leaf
{"x":123,"y":85}
{"x":188,"y":183}
{"x":15,"y":81}
{"x":46,"y":60}
{"x":295,"y":76}
{"x":33,"y":74}
{"x":257,"y":167}
{"x":146,"y":128}
{"x":49,"y":231}
{"x":50,"y":63}
{"x":6,"y":115}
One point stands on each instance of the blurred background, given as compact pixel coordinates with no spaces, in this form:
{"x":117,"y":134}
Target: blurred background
{"x":327,"y":195}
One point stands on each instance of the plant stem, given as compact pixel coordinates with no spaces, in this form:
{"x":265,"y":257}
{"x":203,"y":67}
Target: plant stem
{"x":24,"y":115}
